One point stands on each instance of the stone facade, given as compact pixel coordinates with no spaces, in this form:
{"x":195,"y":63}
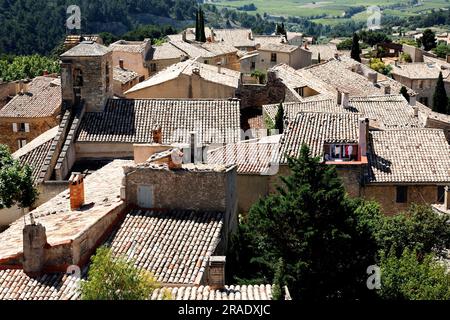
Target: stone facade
{"x":257,"y":95}
{"x":36,"y":126}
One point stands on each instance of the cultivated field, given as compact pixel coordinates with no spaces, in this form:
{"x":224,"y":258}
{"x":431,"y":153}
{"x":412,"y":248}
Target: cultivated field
{"x":333,"y":9}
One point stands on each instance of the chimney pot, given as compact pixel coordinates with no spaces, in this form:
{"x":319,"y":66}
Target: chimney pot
{"x":76,"y":188}
{"x":345,"y":99}
{"x":416,"y":111}
{"x":412,"y":100}
{"x":34,"y":241}
{"x":121,"y":64}
{"x":157,"y":134}
{"x":363,"y":135}
{"x":216,"y":272}
{"x":372,"y":77}
{"x":219,"y":67}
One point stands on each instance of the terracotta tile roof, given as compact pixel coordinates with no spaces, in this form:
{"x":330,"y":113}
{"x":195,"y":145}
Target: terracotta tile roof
{"x":166,"y":51}
{"x":226,"y":77}
{"x":128,"y":46}
{"x":174,"y":245}
{"x":326,"y":51}
{"x":419,"y":70}
{"x":132,"y":121}
{"x":251,"y":157}
{"x":86,"y":49}
{"x":274,"y":43}
{"x":42,"y":98}
{"x":317,"y":128}
{"x":193,"y":50}
{"x":16,"y":285}
{"x":102,"y":193}
{"x":35,"y":152}
{"x":124,"y":75}
{"x":233,"y":292}
{"x":407,"y":156}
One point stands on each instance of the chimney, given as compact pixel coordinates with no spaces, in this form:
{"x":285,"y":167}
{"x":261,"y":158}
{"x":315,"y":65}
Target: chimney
{"x":212,"y":36}
{"x":447,"y":198}
{"x":339,"y":97}
{"x":372,"y":76}
{"x":345,"y":99}
{"x":219,"y":67}
{"x":336,"y":56}
{"x":157,"y":134}
{"x":176,"y":159}
{"x":250,"y":35}
{"x":34,"y":241}
{"x":121,"y":64}
{"x":412,"y":99}
{"x":416,"y":111}
{"x":183,"y":36}
{"x":196,"y":71}
{"x":216,"y":272}
{"x":387,"y":89}
{"x":363,"y":135}
{"x":193,"y":145}
{"x":76,"y":188}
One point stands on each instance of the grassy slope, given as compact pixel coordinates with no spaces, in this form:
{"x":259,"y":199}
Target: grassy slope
{"x":329,"y":7}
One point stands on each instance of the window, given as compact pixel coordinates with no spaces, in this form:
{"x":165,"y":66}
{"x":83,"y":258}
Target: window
{"x":300,"y":91}
{"x":21,"y":143}
{"x":253,"y":67}
{"x":153,"y":67}
{"x":402,"y":194}
{"x":21,"y":127}
{"x":440,"y":194}
{"x":273,"y":57}
{"x":107,"y":74}
{"x":205,"y":62}
{"x":340,"y":152}
{"x":77,"y":78}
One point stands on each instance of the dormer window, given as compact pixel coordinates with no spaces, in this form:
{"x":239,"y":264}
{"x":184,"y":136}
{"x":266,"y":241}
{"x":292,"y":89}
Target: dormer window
{"x":341,"y":152}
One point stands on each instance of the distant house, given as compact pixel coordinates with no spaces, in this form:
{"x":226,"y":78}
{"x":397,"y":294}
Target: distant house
{"x":188,"y":79}
{"x":124,"y":79}
{"x":33,"y":110}
{"x":132,"y":55}
{"x":324,"y":51}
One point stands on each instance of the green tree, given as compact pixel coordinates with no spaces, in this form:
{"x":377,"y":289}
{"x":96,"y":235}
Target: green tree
{"x":409,"y":278}
{"x":440,"y":99}
{"x":442,"y":50}
{"x":278,"y":280}
{"x":420,"y":229}
{"x":379,"y":66}
{"x":113,"y":278}
{"x":279,"y":119}
{"x":345,"y":44}
{"x":428,"y":40}
{"x":404,"y":92}
{"x":325,"y":243}
{"x":16,"y":182}
{"x":259,"y":75}
{"x":356,"y":51}
{"x":200,"y":26}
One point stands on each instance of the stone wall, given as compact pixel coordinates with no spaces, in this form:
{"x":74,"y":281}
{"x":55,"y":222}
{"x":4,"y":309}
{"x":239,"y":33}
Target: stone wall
{"x":257,"y":95}
{"x":251,"y":188}
{"x":37,"y":127}
{"x":386,"y":196}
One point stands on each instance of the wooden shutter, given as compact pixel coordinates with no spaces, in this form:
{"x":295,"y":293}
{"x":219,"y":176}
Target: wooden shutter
{"x":14,"y":127}
{"x":27,"y":127}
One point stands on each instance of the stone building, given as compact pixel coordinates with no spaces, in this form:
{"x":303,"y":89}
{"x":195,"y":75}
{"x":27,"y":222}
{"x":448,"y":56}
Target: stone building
{"x":32,"y":111}
{"x":124,"y":79}
{"x":189,"y":80}
{"x":132,"y":55}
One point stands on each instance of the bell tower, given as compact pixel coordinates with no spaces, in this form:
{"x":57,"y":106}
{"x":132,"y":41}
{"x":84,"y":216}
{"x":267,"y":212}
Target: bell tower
{"x":87,"y":76}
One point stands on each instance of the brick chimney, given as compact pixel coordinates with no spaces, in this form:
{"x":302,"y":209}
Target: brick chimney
{"x":176,"y":159}
{"x":363,"y":136}
{"x":76,"y":187}
{"x":447,"y":198}
{"x":34,"y":241}
{"x":216,"y":272}
{"x":121,"y":64}
{"x":157,"y":134}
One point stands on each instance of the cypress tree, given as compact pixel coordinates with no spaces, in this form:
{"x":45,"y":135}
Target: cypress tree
{"x":440,"y":99}
{"x":197,"y":26}
{"x":318,"y":58}
{"x":355,"y":48}
{"x":202,"y":35}
{"x":278,"y":280}
{"x":279,"y":121}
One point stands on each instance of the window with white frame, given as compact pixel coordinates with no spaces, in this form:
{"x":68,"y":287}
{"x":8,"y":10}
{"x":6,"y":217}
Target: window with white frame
{"x":21,"y":143}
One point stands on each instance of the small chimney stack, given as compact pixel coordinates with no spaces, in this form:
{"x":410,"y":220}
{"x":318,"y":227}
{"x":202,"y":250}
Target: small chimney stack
{"x":121,"y":64}
{"x":447,"y":197}
{"x":372,"y":76}
{"x":412,"y":99}
{"x":363,"y":136}
{"x":157,"y":134}
{"x":250,"y":35}
{"x":76,"y":188}
{"x":345,"y":99}
{"x":219,"y":67}
{"x":387,"y":89}
{"x":183,"y":36}
{"x":416,"y":111}
{"x":34,"y":241}
{"x":216,"y":272}
{"x":193,"y":146}
{"x":339,"y":97}
{"x":176,"y":159}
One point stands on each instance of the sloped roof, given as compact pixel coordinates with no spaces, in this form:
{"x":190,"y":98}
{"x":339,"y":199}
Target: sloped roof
{"x":166,"y":51}
{"x":42,"y":98}
{"x":35,"y":152}
{"x":132,"y":121}
{"x":226,"y":77}
{"x":87,"y":49}
{"x":316,"y":128}
{"x":129,"y":46}
{"x":409,"y":156}
{"x":124,"y":75}
{"x":174,"y":245}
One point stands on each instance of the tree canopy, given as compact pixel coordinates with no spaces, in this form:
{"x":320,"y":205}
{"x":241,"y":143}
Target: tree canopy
{"x":355,"y":51}
{"x":440,"y":98}
{"x":428,"y":40}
